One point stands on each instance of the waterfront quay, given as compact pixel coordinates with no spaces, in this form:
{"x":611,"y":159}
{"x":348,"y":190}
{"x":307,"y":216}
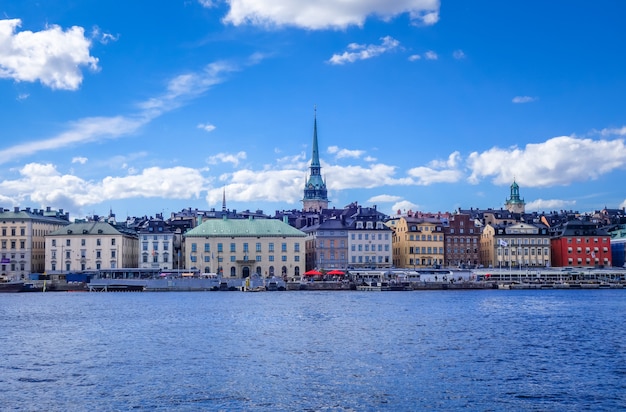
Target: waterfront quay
{"x":357,"y":280}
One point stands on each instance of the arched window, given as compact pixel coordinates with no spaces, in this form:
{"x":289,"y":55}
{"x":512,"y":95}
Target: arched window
{"x":271,"y":271}
{"x":233,"y":271}
{"x":283,"y":271}
{"x":297,"y":271}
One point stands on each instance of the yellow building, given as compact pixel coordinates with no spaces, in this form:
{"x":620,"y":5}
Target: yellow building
{"x":417,"y":242}
{"x":238,"y":248}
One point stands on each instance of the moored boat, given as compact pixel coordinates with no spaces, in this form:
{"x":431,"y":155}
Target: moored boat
{"x":11,"y":287}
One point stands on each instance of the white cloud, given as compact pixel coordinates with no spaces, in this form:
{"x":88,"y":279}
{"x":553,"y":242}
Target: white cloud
{"x":384,"y":199}
{"x":343,"y":153}
{"x":414,"y":57}
{"x":227,"y":158}
{"x":179,"y":89}
{"x":369,"y":159}
{"x":402,"y":207}
{"x":458,"y":54}
{"x":620,"y":131}
{"x":52,"y":56}
{"x":79,"y":159}
{"x":206,"y":127}
{"x":438,"y":171}
{"x":524,"y":99}
{"x":326,"y":14}
{"x":431,"y":55}
{"x":47,"y":186}
{"x":558,"y":161}
{"x":22,"y":96}
{"x":265,"y":185}
{"x":546,"y":205}
{"x":363,"y":52}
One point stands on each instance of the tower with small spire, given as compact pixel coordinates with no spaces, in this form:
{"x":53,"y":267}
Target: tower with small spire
{"x":315,"y":193}
{"x":515,"y":204}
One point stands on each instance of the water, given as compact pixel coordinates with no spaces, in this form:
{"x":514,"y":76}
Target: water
{"x":314,"y":351}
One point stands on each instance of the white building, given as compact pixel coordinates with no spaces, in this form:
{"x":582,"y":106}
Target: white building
{"x":90,"y":246}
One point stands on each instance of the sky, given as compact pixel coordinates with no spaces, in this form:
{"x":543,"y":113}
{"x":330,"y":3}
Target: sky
{"x":151,"y":107}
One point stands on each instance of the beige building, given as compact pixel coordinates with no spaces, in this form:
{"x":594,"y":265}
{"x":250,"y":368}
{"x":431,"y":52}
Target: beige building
{"x":418,"y":242}
{"x":238,"y":248}
{"x":22,"y":240}
{"x":90,"y":246}
{"x":517,"y":245}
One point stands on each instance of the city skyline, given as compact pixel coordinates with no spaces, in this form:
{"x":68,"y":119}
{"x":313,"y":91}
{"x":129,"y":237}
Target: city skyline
{"x":421,"y":105}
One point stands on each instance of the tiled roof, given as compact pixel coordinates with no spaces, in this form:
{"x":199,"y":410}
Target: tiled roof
{"x":244,"y":227}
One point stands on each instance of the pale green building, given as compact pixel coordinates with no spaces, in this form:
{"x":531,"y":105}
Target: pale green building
{"x":238,"y":248}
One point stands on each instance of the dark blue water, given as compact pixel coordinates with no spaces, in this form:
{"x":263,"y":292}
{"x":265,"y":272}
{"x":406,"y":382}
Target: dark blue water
{"x":315,"y":351}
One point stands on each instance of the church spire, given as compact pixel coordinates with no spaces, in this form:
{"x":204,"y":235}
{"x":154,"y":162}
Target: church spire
{"x":315,"y":193}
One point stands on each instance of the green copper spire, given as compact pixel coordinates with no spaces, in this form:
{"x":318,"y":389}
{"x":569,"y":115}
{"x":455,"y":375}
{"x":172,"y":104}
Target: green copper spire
{"x":315,"y":193}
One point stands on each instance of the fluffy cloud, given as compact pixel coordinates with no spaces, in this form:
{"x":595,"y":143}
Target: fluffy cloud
{"x":343,"y":153}
{"x":265,"y":185}
{"x":458,"y":54}
{"x":206,"y":127}
{"x":326,"y":14}
{"x":227,"y":158}
{"x":431,"y":55}
{"x":52,"y":56}
{"x":44,"y":184}
{"x":523,"y":99}
{"x":438,"y":171}
{"x":402,"y":207}
{"x":550,"y":204}
{"x":79,"y":159}
{"x":557,"y":161}
{"x":384,"y":199}
{"x":363,"y":51}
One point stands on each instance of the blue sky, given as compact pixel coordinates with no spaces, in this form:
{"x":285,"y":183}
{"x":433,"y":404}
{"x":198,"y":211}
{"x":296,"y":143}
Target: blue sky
{"x":148,"y":107}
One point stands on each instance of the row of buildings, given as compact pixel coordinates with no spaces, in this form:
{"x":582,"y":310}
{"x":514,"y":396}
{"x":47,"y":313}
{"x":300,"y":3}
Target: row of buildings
{"x":289,"y":243}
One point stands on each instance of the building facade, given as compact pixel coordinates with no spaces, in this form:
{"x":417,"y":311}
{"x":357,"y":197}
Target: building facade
{"x":327,"y":244}
{"x":418,"y":242}
{"x":580,"y":243}
{"x":22,"y":240}
{"x":462,"y":237}
{"x":238,"y":248}
{"x":517,"y":245}
{"x":369,"y":240}
{"x":156,"y":240}
{"x":90,"y":246}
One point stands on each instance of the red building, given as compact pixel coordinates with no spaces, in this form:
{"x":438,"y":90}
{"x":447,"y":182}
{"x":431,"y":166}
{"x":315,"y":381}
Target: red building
{"x":580,"y":243}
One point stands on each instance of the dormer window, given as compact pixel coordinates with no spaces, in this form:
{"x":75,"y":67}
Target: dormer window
{"x":359,"y":225}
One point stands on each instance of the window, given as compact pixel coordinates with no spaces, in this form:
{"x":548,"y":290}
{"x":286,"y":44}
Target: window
{"x":67,"y":242}
{"x":233,"y":248}
{"x":207,"y":247}
{"x":113,"y":242}
{"x":271,"y":247}
{"x":296,"y":247}
{"x":54,"y":242}
{"x":258,"y":247}
{"x":194,"y":248}
{"x":220,"y":248}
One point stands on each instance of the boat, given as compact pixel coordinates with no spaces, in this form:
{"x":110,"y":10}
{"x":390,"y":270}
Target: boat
{"x":373,"y":286}
{"x":11,"y":287}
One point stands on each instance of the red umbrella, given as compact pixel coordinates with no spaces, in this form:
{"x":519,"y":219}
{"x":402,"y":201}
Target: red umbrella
{"x":312,"y":273}
{"x":335,"y":272}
